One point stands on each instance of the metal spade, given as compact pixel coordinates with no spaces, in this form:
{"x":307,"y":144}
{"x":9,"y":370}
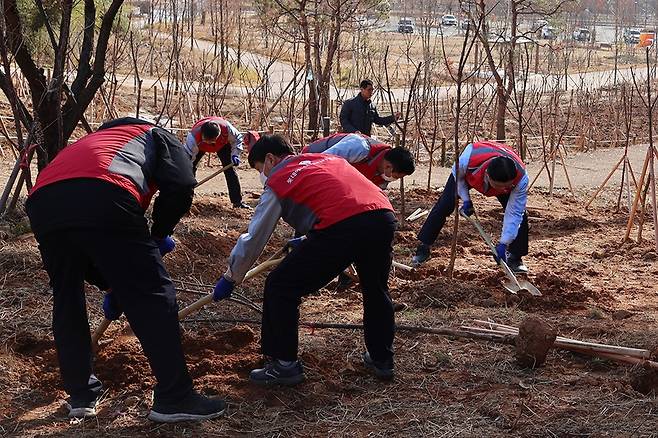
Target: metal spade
{"x":514,"y":285}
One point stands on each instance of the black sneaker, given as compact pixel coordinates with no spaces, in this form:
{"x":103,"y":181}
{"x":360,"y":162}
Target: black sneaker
{"x":241,"y":205}
{"x":422,"y":254}
{"x":516,"y":265}
{"x":194,"y":407}
{"x":274,"y":373}
{"x":81,"y":406}
{"x":383,"y":370}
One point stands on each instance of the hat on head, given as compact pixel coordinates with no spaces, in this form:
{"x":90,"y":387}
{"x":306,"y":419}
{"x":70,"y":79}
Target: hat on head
{"x":250,"y":138}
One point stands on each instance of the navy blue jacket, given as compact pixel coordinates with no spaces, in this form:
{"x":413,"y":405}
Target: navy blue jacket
{"x":358,"y":114}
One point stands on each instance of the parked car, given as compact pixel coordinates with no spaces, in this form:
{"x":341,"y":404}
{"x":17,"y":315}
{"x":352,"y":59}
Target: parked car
{"x":449,"y":20}
{"x":631,"y":36}
{"x":405,"y":25}
{"x":581,"y":35}
{"x":466,"y":23}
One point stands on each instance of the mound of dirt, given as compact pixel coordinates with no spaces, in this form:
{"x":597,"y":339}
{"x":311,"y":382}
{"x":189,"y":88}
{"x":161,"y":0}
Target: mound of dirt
{"x":561,"y":292}
{"x":442,"y":292}
{"x":212,"y":207}
{"x":535,"y":339}
{"x":563,"y":226}
{"x":39,"y":359}
{"x":209,"y":355}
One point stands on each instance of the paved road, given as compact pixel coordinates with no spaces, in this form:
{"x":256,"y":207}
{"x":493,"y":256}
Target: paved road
{"x":281,"y":74}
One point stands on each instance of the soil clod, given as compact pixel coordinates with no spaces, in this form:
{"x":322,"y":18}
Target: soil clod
{"x":535,"y":339}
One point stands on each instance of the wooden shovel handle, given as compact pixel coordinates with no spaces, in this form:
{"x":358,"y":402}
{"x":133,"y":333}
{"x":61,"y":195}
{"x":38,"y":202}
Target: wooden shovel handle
{"x":203,"y":301}
{"x":508,"y":272}
{"x":98,"y":333}
{"x":214,"y":174}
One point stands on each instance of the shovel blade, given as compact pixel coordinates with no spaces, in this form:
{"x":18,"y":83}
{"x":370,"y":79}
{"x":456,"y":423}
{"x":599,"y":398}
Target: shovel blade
{"x":511,"y":287}
{"x":523,"y":286}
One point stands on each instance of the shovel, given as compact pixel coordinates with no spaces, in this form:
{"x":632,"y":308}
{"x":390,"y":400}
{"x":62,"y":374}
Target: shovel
{"x":513,"y":284}
{"x":214,"y":174}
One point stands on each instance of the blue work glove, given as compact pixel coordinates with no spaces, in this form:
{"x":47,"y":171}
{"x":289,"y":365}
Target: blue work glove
{"x":236,"y":160}
{"x":467,"y":208}
{"x":294,"y":243}
{"x":222,"y":289}
{"x":111,"y":308}
{"x":165,"y":245}
{"x":501,"y":253}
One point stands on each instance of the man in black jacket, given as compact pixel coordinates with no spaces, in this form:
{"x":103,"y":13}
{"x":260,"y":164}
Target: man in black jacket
{"x":87,"y":213}
{"x":359,"y":113}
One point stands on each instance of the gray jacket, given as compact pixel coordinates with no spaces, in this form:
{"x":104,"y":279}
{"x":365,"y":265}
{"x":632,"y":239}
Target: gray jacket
{"x":357,"y":114}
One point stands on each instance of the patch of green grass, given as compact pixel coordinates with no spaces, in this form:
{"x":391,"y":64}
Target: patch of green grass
{"x":442,"y":358}
{"x":595,"y":313}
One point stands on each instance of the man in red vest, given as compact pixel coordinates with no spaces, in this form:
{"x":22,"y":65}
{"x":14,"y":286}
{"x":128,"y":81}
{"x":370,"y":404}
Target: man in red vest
{"x":378,"y":162}
{"x":346,"y":219}
{"x":492,"y":169}
{"x":87,"y":213}
{"x":216,"y":135}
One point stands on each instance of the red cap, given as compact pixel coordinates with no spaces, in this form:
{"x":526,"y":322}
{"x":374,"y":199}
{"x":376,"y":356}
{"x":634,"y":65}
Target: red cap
{"x":250,"y":138}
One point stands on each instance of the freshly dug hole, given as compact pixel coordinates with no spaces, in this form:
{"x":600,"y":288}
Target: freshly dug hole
{"x":535,"y":338}
{"x":644,"y":379}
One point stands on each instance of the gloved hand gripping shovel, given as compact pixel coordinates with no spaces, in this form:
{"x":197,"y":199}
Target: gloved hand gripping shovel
{"x":513,"y":284}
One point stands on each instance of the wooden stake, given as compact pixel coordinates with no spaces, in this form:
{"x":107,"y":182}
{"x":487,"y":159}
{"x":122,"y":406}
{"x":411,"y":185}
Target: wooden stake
{"x":564,"y":166}
{"x":638,"y":193}
{"x":603,"y":184}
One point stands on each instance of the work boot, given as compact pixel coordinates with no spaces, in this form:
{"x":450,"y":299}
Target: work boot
{"x":383,"y":370}
{"x":81,"y":406}
{"x":422,"y":254}
{"x":241,"y":205}
{"x":193,"y":407}
{"x":276,"y":373}
{"x":516,"y":265}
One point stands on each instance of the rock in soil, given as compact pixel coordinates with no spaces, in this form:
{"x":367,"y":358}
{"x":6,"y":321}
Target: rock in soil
{"x":644,"y":379}
{"x":535,"y":338}
{"x":621,"y":314}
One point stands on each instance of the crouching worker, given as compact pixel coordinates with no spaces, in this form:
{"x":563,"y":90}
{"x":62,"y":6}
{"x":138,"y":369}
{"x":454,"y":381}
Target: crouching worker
{"x":346,"y":219}
{"x":377,"y":161}
{"x":492,"y":169}
{"x":217,"y":135}
{"x":87,"y":213}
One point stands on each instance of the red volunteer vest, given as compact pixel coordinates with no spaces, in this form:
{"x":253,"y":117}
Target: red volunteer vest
{"x":368,"y":166}
{"x":221,"y":141}
{"x":481,"y":156}
{"x":325,"y":186}
{"x":92,"y":156}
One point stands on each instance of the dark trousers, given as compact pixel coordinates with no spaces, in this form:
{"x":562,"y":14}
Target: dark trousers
{"x":130,"y":264}
{"x":232,"y":181}
{"x":365,"y":240}
{"x":445,"y":206}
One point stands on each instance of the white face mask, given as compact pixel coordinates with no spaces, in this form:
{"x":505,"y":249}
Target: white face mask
{"x":263,"y":178}
{"x":388,"y":178}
